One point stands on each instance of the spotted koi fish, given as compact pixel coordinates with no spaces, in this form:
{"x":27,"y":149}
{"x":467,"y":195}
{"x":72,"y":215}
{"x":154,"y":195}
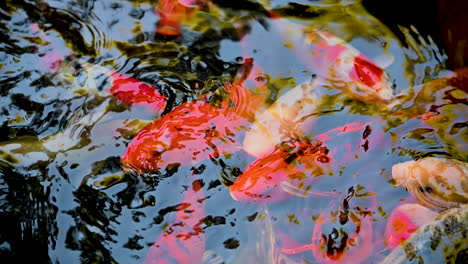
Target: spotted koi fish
{"x":272,"y":173}
{"x":442,"y":240}
{"x":338,"y":64}
{"x":437,"y":183}
{"x":357,"y":75}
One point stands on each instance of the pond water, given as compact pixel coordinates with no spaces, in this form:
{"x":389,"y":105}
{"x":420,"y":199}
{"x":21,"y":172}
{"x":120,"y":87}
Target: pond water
{"x":83,"y":179}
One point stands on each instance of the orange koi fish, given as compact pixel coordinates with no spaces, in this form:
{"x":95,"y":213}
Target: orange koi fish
{"x":184,"y":241}
{"x":191,"y":132}
{"x":134,"y":92}
{"x":292,"y":162}
{"x":172,"y":13}
{"x":404,"y":221}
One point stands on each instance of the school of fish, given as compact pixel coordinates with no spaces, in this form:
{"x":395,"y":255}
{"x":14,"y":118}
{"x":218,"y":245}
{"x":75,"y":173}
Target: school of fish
{"x":287,"y":162}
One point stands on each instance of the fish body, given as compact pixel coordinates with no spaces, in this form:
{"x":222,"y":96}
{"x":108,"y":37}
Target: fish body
{"x":298,"y":163}
{"x":443,"y":240}
{"x":173,"y":13}
{"x":349,"y":69}
{"x":337,"y":62}
{"x":282,"y":120}
{"x":438,"y":183}
{"x":131,"y":91}
{"x":404,"y":221}
{"x":190,"y":133}
{"x":84,"y":77}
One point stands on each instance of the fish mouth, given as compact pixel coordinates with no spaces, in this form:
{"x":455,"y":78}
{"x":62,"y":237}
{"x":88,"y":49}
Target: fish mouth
{"x":401,"y":172}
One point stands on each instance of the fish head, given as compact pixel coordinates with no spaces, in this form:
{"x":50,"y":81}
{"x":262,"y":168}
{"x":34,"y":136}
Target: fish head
{"x":293,"y":163}
{"x":134,"y":92}
{"x":437,"y":183}
{"x":190,"y":133}
{"x":260,"y":181}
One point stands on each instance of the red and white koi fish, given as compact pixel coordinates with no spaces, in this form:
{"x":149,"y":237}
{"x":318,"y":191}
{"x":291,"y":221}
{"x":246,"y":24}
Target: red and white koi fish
{"x":295,"y":163}
{"x":404,"y":221}
{"x":271,"y":171}
{"x":336,"y":65}
{"x":182,"y":242}
{"x":281,"y":121}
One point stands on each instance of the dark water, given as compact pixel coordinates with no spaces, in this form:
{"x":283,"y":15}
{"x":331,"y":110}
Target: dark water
{"x":65,"y":197}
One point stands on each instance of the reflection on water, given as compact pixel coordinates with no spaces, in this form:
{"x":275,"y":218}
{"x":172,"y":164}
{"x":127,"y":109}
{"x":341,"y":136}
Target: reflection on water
{"x":199,"y":131}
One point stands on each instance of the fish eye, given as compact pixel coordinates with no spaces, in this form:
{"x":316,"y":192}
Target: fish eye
{"x":426,"y":189}
{"x":352,"y":242}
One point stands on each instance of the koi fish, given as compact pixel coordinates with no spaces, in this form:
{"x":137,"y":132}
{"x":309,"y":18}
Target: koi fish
{"x":437,"y":183}
{"x":292,"y":162}
{"x":336,"y":64}
{"x":369,"y":129}
{"x":172,"y":13}
{"x":349,"y":69}
{"x":284,"y":119}
{"x":133,"y":92}
{"x":442,"y":240}
{"x":183,"y":241}
{"x":68,"y":68}
{"x":404,"y":221}
{"x":335,"y":245}
{"x":339,"y":65}
{"x":281,"y":121}
{"x":191,"y":132}
{"x":342,"y":236}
